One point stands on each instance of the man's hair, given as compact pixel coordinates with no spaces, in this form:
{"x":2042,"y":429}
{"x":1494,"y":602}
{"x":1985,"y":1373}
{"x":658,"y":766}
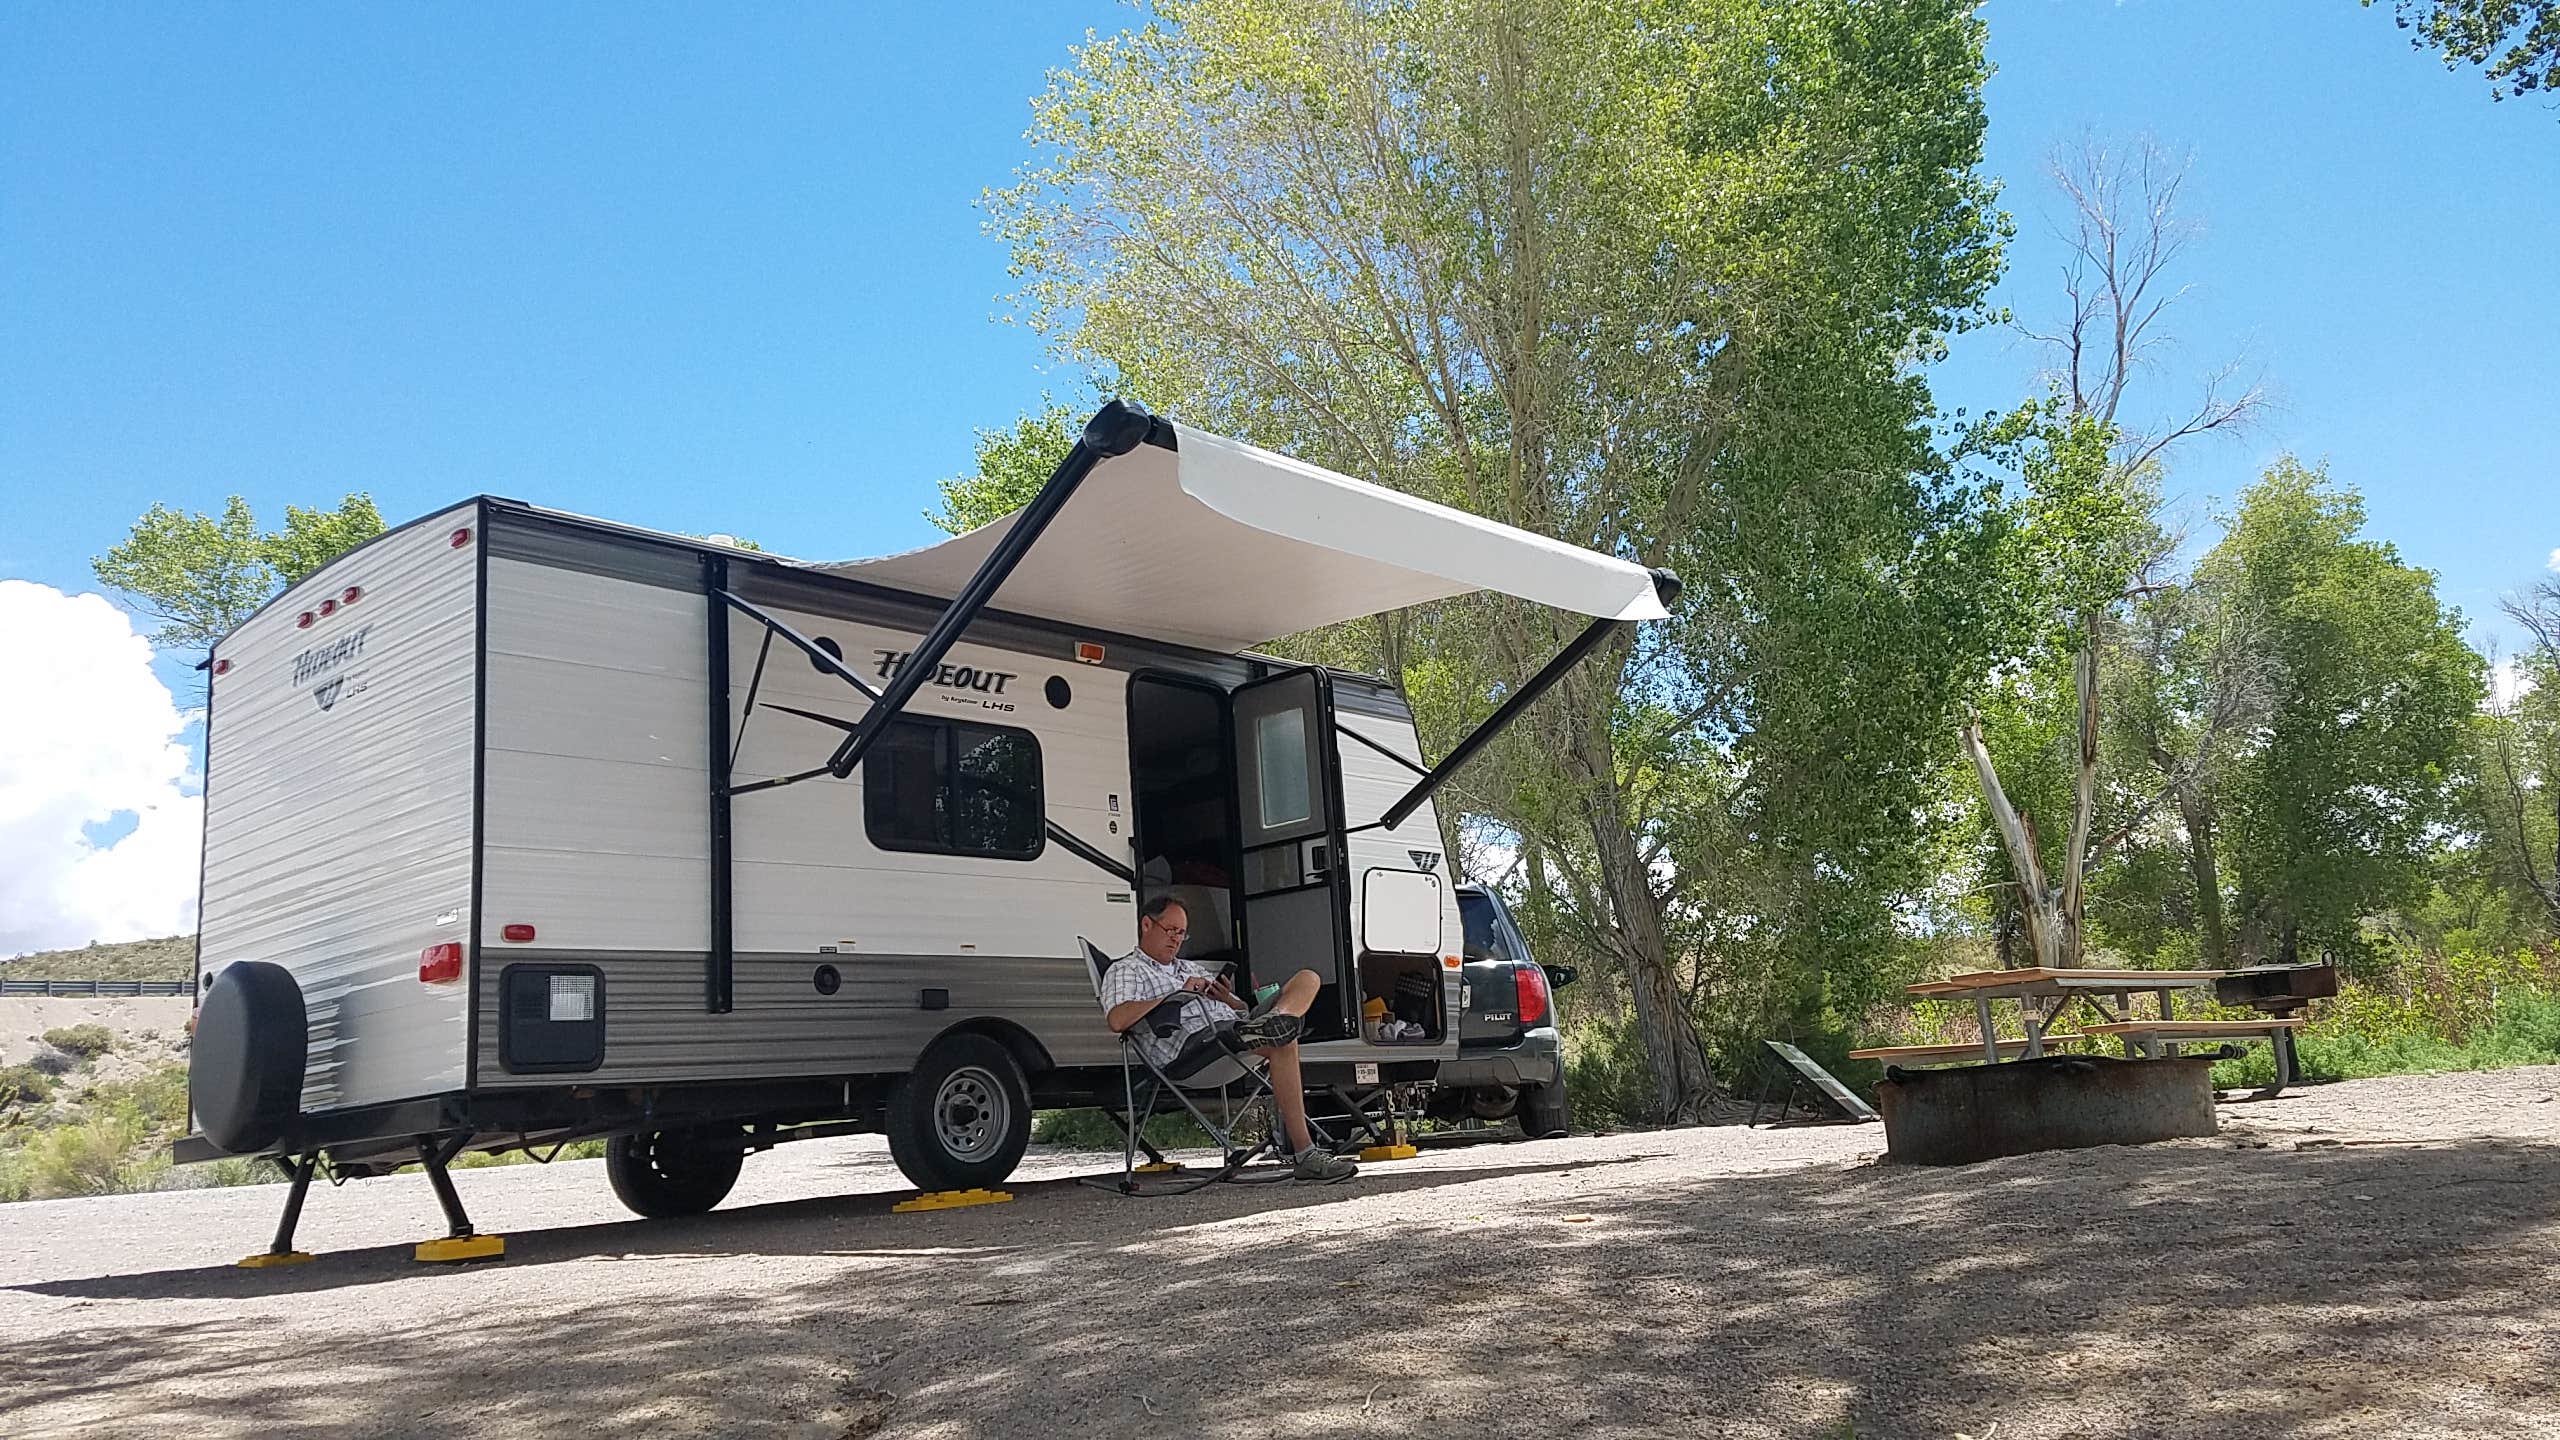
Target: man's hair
{"x":1158,"y":904}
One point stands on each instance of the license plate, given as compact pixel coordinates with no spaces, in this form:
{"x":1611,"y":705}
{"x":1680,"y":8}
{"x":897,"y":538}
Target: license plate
{"x":1364,"y":1074}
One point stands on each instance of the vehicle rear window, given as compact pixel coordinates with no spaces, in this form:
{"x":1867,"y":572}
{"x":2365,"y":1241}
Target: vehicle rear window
{"x":1484,"y":932}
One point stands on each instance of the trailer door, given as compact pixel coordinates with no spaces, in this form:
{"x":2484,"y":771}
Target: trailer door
{"x":1296,"y":882}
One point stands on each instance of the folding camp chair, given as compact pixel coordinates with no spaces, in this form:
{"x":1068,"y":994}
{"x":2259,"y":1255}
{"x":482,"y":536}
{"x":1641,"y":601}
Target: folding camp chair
{"x":1211,"y":1061}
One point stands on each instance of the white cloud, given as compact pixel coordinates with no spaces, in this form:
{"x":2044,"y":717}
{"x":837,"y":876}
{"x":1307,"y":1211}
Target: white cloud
{"x":89,"y":737}
{"x":2554,"y":562}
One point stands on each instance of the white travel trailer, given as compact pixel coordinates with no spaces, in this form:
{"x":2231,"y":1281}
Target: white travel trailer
{"x":522,"y":827}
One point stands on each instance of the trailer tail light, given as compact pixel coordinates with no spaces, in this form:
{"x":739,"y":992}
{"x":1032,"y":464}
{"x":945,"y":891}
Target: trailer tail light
{"x":1530,"y":979}
{"x":440,"y":964}
{"x":516,"y":934}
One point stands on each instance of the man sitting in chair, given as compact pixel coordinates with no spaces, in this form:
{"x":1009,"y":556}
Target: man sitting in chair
{"x":1138,"y":981}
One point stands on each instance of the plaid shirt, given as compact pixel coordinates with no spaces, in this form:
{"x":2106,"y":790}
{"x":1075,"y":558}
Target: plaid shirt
{"x":1136,"y":977}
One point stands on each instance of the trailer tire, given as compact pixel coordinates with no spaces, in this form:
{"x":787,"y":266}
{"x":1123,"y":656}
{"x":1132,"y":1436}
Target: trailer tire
{"x":1546,"y":1112}
{"x":663,"y":1174}
{"x":245,"y":1063}
{"x":961,"y":1119}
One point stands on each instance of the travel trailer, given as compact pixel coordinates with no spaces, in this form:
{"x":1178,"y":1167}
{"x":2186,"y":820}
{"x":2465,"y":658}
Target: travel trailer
{"x":522,"y":827}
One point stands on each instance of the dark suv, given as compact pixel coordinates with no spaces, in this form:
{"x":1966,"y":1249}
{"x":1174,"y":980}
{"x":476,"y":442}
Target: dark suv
{"x":1510,"y":1059}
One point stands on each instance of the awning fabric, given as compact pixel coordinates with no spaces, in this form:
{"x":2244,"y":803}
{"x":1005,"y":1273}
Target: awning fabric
{"x":1222,"y":546}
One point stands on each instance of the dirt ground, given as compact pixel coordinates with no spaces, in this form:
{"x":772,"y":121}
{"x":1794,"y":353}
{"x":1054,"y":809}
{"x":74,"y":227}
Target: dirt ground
{"x":150,"y":1031}
{"x":2367,"y":1259}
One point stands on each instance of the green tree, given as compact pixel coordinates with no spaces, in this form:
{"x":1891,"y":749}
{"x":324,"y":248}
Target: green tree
{"x":1647,"y":276}
{"x":2517,"y":42}
{"x":2514,"y":776}
{"x":199,"y":576}
{"x":1013,"y":463}
{"x":2339,"y":804}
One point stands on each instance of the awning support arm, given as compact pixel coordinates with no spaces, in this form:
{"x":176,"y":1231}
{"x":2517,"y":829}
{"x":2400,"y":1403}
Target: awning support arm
{"x":1665,"y":584}
{"x":1116,"y":429}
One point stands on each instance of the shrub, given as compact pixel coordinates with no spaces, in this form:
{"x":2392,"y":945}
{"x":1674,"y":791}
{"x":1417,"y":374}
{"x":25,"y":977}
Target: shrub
{"x":574,"y":1150}
{"x":88,"y":1042}
{"x":1093,"y":1130}
{"x":1605,"y":1074}
{"x":24,"y":1085}
{"x":52,"y":1062}
{"x":88,"y":1158}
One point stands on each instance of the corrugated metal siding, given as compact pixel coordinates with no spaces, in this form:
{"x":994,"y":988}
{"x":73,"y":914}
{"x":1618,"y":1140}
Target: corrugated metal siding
{"x":338,"y":838}
{"x":597,"y":823}
{"x":657,"y":1031}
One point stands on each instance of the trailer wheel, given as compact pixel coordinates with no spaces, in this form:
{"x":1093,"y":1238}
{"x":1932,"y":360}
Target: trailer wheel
{"x":1546,"y":1113}
{"x":961,"y":1118}
{"x":666,"y":1173}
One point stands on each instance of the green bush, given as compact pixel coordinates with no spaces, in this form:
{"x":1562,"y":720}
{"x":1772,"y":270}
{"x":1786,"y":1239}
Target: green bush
{"x":85,"y":1041}
{"x":24,"y":1085}
{"x":96,"y":1156}
{"x":1605,"y":1074}
{"x":1093,"y":1130}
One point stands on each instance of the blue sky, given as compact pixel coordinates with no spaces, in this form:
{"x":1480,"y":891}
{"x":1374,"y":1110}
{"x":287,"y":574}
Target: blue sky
{"x":722,"y":269}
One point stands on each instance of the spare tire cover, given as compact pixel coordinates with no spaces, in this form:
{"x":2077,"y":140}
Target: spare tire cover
{"x":245,"y":1071}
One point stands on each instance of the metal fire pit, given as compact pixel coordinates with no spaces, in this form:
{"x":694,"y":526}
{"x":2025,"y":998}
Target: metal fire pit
{"x":2059,"y":1102}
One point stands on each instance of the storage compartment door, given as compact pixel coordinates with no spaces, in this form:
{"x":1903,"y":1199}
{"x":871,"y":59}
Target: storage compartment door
{"x":1289,"y":801}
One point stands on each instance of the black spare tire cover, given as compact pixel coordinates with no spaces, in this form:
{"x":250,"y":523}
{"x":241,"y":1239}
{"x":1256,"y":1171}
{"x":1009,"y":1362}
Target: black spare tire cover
{"x":245,"y":1071}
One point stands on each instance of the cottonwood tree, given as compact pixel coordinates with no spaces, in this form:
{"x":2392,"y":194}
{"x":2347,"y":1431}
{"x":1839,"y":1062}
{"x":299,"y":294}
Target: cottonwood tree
{"x":199,"y":576}
{"x":1645,"y":277}
{"x":2087,"y":543}
{"x":2517,"y":769}
{"x":2515,"y":42}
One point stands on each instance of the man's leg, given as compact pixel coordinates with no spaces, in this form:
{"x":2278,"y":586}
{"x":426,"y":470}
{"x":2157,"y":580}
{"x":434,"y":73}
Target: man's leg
{"x":1298,"y":994}
{"x":1290,"y":1092}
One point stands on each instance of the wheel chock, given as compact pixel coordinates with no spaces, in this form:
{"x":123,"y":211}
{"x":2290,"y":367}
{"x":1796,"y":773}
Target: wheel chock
{"x":1158,"y":1167}
{"x":1389,"y":1152}
{"x":952,"y":1200}
{"x":273,"y":1258}
{"x":456,"y":1248}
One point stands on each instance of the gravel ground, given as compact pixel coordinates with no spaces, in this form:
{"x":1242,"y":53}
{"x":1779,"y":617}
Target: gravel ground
{"x":2368,"y":1259}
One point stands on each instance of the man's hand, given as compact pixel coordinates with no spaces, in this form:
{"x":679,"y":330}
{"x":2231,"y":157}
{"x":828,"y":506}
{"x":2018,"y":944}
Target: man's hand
{"x":1199,"y":986}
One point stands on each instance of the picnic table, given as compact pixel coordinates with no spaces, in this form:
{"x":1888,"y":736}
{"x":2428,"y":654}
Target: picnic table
{"x":2045,"y":995}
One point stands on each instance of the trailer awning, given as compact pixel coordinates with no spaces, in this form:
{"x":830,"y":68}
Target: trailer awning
{"x":1220,"y":545}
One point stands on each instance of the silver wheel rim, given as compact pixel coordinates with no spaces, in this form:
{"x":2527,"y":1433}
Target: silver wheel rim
{"x":971,"y":1114}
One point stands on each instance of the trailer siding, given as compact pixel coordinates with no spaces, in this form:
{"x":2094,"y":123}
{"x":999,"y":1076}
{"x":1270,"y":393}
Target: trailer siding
{"x":338,"y":808}
{"x":597,"y":816}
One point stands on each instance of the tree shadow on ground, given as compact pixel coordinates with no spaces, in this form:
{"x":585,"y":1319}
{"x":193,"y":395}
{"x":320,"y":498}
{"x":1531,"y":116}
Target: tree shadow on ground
{"x":2175,"y":1290}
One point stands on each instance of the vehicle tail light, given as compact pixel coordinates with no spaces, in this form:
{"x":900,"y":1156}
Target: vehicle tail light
{"x":516,"y":934}
{"x":1531,"y":981}
{"x":440,"y":964}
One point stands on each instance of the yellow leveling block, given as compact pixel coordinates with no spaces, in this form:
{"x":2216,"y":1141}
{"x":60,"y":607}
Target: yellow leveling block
{"x":953,"y":1199}
{"x":462,"y":1247}
{"x":1159,"y":1167}
{"x":1389,"y":1152}
{"x":274,"y":1258}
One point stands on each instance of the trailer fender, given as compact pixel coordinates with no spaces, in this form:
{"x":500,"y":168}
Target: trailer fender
{"x":1027,"y":1050}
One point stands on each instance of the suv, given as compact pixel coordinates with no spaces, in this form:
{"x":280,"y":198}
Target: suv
{"x":1510,"y":1058}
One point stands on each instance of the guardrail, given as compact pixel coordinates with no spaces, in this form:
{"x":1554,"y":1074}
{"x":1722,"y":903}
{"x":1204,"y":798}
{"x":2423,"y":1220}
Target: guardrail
{"x":97,"y":987}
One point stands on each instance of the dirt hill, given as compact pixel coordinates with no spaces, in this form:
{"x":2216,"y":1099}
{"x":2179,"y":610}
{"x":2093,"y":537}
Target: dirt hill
{"x":171,"y":957}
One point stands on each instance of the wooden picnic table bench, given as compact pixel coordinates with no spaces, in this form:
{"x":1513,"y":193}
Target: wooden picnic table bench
{"x":1959,"y":1052}
{"x":2061,"y":988}
{"x":2156,"y":1038}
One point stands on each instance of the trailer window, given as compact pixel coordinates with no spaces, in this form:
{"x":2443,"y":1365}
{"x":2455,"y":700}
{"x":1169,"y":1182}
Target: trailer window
{"x":954,"y":789}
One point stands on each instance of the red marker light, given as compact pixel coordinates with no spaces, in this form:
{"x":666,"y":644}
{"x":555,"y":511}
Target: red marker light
{"x":516,"y":934}
{"x":305,"y":622}
{"x":221,"y":667}
{"x":329,"y":607}
{"x":1088,"y":652}
{"x":440,"y":964}
{"x":461,"y":537}
{"x":354,"y":594}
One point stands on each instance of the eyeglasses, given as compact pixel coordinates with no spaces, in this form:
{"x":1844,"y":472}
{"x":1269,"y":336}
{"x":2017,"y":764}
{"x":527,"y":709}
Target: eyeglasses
{"x":1182,"y":933}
